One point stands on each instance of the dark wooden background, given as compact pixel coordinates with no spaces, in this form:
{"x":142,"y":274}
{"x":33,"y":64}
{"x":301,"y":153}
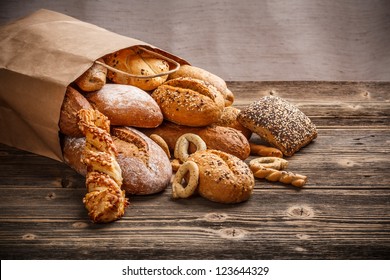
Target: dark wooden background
{"x":248,"y":40}
{"x":342,"y":213}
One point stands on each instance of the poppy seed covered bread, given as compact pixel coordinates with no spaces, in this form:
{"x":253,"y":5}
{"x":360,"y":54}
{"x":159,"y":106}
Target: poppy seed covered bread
{"x":279,"y":123}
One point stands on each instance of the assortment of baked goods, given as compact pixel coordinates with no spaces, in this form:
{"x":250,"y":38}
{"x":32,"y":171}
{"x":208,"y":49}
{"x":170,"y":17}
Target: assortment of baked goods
{"x":133,"y":126}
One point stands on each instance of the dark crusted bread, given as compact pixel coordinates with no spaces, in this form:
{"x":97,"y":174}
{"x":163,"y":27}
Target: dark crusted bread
{"x":280,"y":123}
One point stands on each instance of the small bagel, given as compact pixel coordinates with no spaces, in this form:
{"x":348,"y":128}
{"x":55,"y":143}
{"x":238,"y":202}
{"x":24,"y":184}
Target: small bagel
{"x":270,"y":162}
{"x":178,"y":191}
{"x":182,"y":144}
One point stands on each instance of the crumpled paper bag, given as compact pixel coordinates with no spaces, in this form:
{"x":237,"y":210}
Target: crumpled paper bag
{"x":40,"y":55}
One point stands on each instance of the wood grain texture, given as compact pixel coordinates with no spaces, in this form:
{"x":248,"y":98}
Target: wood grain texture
{"x":342,"y":213}
{"x":248,"y":40}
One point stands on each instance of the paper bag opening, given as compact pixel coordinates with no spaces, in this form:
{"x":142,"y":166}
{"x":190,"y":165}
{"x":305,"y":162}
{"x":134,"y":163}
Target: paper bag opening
{"x":40,"y":55}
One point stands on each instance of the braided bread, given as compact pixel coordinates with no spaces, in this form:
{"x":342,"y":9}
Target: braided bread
{"x":105,"y":200}
{"x":261,"y":170}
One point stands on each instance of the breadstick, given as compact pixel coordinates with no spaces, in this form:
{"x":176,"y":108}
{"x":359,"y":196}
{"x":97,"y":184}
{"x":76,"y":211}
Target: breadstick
{"x":105,"y":200}
{"x":265,"y":151}
{"x":274,"y":175}
{"x":161,"y":142}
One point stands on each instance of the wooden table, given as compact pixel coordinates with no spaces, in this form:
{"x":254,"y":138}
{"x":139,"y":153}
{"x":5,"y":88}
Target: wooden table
{"x":342,"y":213}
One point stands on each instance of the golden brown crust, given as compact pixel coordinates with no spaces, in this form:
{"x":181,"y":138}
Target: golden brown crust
{"x":279,"y":123}
{"x":92,"y":79}
{"x":229,"y":119}
{"x":271,"y":171}
{"x":188,"y":101}
{"x":145,"y":167}
{"x":73,"y":102}
{"x":126,"y":106}
{"x":223,"y":177}
{"x":221,"y":138}
{"x":138,"y":62}
{"x":201,"y":74}
{"x":105,"y":200}
{"x":265,"y":151}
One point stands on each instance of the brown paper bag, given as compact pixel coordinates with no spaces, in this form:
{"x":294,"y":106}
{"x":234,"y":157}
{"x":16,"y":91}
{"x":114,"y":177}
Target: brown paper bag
{"x":40,"y":55}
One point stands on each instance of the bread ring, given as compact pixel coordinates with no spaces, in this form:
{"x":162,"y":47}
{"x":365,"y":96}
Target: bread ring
{"x":182,"y":144}
{"x":178,"y":191}
{"x":161,"y":142}
{"x":270,"y":162}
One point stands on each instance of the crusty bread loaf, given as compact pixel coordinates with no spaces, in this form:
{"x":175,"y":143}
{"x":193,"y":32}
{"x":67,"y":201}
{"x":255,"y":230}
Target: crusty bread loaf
{"x":201,"y":74}
{"x":145,"y":167}
{"x":73,"y":102}
{"x":92,"y":79}
{"x":279,"y":123}
{"x":223,"y":177}
{"x":229,"y":119}
{"x":126,"y":105}
{"x":221,"y":138}
{"x":188,"y":101}
{"x":137,"y":62}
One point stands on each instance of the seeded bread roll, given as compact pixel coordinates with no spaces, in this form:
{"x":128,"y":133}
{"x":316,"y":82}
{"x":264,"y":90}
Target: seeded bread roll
{"x":190,"y":102}
{"x":137,"y":62}
{"x":73,"y":102}
{"x":229,"y":119}
{"x":126,"y":106}
{"x":223,"y":177}
{"x":221,"y":138}
{"x":145,"y":167}
{"x":201,"y":74}
{"x":279,"y":123}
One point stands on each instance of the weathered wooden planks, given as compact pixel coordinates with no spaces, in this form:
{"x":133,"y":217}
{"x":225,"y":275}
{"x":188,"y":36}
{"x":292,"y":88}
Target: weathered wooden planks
{"x":342,"y":213}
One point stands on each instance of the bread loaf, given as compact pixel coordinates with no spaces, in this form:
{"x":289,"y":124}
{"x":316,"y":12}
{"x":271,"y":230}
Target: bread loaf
{"x":229,"y":119}
{"x":145,"y":167}
{"x":137,"y":62}
{"x":221,"y":138}
{"x":126,"y":105}
{"x":188,"y":101}
{"x":201,"y":74}
{"x":223,"y":177}
{"x":92,"y":79}
{"x":279,"y":123}
{"x":73,"y":102}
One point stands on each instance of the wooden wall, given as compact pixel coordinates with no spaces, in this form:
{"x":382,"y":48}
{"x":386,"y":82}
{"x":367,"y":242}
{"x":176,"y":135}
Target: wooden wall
{"x":248,"y":39}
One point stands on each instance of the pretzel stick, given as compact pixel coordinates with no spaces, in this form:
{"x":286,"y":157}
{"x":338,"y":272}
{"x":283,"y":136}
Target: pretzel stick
{"x":161,"y":142}
{"x":275,"y":175}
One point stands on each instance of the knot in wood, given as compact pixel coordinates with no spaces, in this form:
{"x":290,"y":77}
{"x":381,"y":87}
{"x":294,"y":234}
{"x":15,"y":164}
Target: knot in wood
{"x":216,"y":217}
{"x":300,"y":211}
{"x":232,"y":233}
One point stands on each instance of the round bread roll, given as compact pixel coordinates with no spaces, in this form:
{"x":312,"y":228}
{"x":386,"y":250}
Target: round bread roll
{"x":145,"y":167}
{"x":223,"y":177}
{"x":220,"y":138}
{"x":201,"y":74}
{"x":229,"y":119}
{"x":73,"y":102}
{"x":126,"y":105}
{"x":137,"y":62}
{"x":190,"y":102}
